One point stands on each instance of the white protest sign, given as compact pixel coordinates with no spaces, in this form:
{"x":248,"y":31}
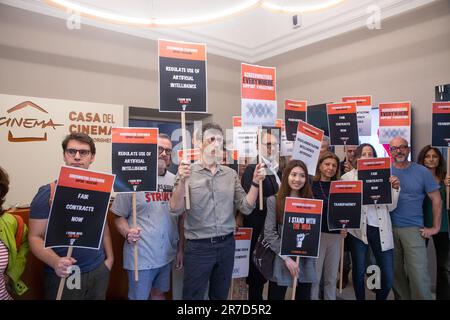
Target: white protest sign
{"x":245,"y":139}
{"x":243,"y":237}
{"x":258,"y":95}
{"x":307,"y":145}
{"x":363,"y":108}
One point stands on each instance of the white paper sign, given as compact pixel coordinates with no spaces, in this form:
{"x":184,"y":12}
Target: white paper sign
{"x":258,"y":95}
{"x":307,"y":146}
{"x":243,"y":237}
{"x":245,"y":139}
{"x":287,"y":148}
{"x":363,"y":108}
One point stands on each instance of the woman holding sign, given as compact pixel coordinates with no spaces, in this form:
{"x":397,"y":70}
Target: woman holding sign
{"x":376,"y":232}
{"x":432,"y":158}
{"x":329,"y":252}
{"x":294,"y":183}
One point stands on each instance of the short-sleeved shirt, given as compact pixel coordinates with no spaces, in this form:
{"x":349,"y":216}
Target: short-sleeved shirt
{"x":428,"y":211}
{"x":416,"y":181}
{"x":87,"y":259}
{"x":159,"y":235}
{"x":214,"y":199}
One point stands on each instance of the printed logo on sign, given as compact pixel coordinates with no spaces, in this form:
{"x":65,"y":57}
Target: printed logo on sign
{"x":184,"y":102}
{"x":35,"y":128}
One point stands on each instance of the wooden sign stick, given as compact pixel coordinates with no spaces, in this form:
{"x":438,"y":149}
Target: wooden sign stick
{"x":261,"y":203}
{"x":62,"y":282}
{"x":341,"y":267}
{"x":231,"y":289}
{"x":294,"y":284}
{"x":136,"y":271}
{"x":186,"y":184}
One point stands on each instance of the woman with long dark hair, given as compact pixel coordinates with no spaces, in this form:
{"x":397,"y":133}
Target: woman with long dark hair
{"x":432,"y":158}
{"x":294,"y":183}
{"x":375,"y":233}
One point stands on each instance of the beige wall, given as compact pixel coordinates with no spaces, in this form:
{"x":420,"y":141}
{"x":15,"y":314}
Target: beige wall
{"x":40,"y":57}
{"x":402,"y":61}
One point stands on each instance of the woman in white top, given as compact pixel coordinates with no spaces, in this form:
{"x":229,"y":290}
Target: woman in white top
{"x":376,"y":232}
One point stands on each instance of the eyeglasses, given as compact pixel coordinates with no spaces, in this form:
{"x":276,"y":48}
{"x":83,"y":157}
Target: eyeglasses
{"x":399,"y":148}
{"x":214,"y":139}
{"x":166,"y":150}
{"x":73,"y":152}
{"x":270,"y":145}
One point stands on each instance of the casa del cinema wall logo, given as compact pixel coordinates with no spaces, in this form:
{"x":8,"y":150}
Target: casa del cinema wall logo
{"x":28,"y":122}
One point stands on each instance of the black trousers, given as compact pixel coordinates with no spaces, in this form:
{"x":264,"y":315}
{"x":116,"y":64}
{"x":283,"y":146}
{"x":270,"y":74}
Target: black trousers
{"x":442,"y":247}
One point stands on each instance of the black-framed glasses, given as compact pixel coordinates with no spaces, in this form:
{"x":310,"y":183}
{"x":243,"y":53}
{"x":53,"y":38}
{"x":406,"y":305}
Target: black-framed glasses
{"x":402,"y":148}
{"x":270,"y":145}
{"x":217,"y":139}
{"x":166,"y":150}
{"x":73,"y":152}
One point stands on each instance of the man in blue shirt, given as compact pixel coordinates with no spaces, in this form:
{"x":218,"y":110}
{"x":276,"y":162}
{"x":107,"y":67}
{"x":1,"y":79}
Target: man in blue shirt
{"x":411,"y":276}
{"x":95,"y":265}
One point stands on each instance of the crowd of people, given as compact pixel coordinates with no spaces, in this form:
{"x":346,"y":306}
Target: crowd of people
{"x":200,"y":239}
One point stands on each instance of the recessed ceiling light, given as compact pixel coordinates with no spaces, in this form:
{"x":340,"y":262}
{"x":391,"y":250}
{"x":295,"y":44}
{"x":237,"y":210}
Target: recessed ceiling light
{"x":186,"y":21}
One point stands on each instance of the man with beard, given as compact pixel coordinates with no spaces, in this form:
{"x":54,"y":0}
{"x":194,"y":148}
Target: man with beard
{"x":95,"y":265}
{"x":255,"y":220}
{"x":215,"y":193}
{"x":156,"y":235}
{"x":411,"y":276}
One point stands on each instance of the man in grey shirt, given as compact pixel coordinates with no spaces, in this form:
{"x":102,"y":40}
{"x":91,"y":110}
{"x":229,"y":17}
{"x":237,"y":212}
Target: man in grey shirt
{"x":215,"y":194}
{"x":156,"y":235}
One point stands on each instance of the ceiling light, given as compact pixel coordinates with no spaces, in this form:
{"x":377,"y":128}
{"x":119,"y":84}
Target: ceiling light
{"x":300,"y":8}
{"x":186,"y":21}
{"x":153,"y":22}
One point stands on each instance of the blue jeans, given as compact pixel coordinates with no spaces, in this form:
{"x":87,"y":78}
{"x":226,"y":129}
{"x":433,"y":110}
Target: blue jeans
{"x":384,"y":259}
{"x":148,"y":279}
{"x":206,"y":260}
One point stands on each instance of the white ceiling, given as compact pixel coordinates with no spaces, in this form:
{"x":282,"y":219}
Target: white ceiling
{"x":252,"y":36}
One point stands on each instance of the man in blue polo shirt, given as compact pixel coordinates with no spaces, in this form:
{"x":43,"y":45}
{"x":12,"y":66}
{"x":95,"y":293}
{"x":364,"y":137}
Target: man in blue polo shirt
{"x":411,"y":276}
{"x":95,"y":265}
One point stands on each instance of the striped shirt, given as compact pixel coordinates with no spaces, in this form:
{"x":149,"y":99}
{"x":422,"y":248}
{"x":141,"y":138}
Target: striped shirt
{"x":4,"y":295}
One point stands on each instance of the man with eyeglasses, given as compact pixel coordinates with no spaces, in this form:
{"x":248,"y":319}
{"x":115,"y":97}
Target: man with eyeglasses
{"x":95,"y":265}
{"x":159,"y":242}
{"x":411,"y":275}
{"x":255,"y":220}
{"x":346,"y":164}
{"x":215,"y":193}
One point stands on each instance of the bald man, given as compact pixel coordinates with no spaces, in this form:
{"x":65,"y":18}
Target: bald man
{"x":411,"y":276}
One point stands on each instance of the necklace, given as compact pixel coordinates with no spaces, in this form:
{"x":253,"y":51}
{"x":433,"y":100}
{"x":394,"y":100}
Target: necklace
{"x":323,"y":192}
